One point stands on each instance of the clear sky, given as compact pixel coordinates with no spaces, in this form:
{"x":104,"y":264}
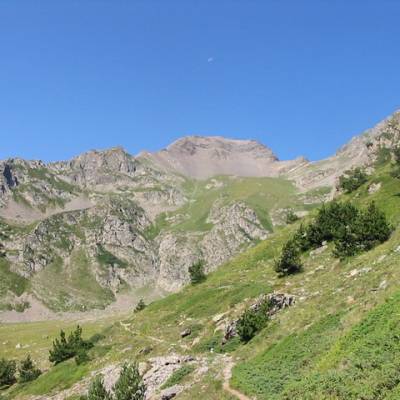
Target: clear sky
{"x":301,"y":76}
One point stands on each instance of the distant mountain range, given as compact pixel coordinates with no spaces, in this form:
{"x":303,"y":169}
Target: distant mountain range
{"x":107,"y":222}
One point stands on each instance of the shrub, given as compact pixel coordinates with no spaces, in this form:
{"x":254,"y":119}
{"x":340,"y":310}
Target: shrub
{"x":289,"y":262}
{"x":130,"y":385}
{"x":396,"y":155}
{"x":140,"y":306}
{"x":328,"y":225}
{"x":291,"y":217}
{"x":251,"y":322}
{"x":64,"y":349}
{"x":7,"y":372}
{"x":97,"y":391}
{"x":330,"y":220}
{"x":352,"y":180}
{"x":196,"y":272}
{"x":368,"y":230}
{"x":352,"y":229}
{"x":28,"y":371}
{"x":81,"y":357}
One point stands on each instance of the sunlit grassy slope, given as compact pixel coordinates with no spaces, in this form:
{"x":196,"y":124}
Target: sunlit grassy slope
{"x":341,"y":340}
{"x":264,"y":195}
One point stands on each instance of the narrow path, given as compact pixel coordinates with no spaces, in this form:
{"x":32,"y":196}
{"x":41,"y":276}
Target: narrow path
{"x":227,"y":376}
{"x":127,"y":327}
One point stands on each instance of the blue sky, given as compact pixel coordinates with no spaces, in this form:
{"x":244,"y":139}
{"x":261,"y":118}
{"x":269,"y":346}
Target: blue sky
{"x":300,"y":76}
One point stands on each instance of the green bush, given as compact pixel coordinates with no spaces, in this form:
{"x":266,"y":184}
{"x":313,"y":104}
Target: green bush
{"x":353,"y":230}
{"x":27,"y":370}
{"x":289,"y":262}
{"x":252,"y":321}
{"x":97,"y":391}
{"x":368,"y":230}
{"x":64,"y":349}
{"x":141,"y":305}
{"x":196,"y":272}
{"x":130,"y":385}
{"x":291,"y":217}
{"x":8,"y":369}
{"x":81,"y":357}
{"x":352,"y":180}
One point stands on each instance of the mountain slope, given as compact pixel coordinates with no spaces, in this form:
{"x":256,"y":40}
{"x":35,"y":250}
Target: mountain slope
{"x":338,"y":341}
{"x":129,"y":223}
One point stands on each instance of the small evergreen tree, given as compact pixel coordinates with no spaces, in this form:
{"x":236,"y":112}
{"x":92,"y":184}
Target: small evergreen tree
{"x":81,"y":356}
{"x":251,"y":322}
{"x":140,"y":306}
{"x":61,"y":351}
{"x":64,"y":349}
{"x":196,"y":272}
{"x":97,"y":391}
{"x":130,"y":385}
{"x":28,"y":370}
{"x":8,"y":369}
{"x":368,"y":230}
{"x":352,"y":180}
{"x":289,"y":262}
{"x":301,"y":238}
{"x":372,"y":228}
{"x":291,"y":217}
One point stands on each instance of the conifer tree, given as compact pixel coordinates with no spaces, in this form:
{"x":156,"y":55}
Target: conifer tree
{"x":28,"y":370}
{"x":97,"y":391}
{"x":130,"y":385}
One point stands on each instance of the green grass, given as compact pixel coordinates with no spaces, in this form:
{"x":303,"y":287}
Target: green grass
{"x":10,"y":282}
{"x":339,"y":341}
{"x":261,"y":194}
{"x":73,"y":287}
{"x":178,"y":376}
{"x":285,"y":362}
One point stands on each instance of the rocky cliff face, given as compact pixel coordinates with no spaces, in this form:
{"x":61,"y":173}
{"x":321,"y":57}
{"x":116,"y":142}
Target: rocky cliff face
{"x":120,"y":221}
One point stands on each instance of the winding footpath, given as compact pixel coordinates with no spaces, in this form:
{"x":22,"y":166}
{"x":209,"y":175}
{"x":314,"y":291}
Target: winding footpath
{"x":226,"y":386}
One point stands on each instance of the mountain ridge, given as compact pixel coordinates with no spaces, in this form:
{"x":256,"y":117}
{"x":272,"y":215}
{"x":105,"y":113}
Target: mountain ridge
{"x":128,"y":222}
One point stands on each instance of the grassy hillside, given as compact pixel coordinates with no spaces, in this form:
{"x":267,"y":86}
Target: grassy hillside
{"x":263,"y":195}
{"x":339,"y":341}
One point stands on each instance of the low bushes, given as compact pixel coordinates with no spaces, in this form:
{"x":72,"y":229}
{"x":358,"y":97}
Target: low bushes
{"x":352,"y":229}
{"x":252,"y":321}
{"x":73,"y":346}
{"x":352,"y":180}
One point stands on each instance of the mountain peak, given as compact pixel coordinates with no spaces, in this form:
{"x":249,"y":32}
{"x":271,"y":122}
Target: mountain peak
{"x":205,"y":156}
{"x":195,"y":143}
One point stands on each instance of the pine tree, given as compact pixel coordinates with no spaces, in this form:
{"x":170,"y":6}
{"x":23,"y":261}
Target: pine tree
{"x":251,"y":322}
{"x":28,"y":370}
{"x":64,"y":349}
{"x":97,"y":391}
{"x":61,"y":350}
{"x":291,"y":217}
{"x":130,"y":385}
{"x":368,"y":230}
{"x":7,"y":372}
{"x":196,"y":272}
{"x":141,"y":305}
{"x":289,"y":262}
